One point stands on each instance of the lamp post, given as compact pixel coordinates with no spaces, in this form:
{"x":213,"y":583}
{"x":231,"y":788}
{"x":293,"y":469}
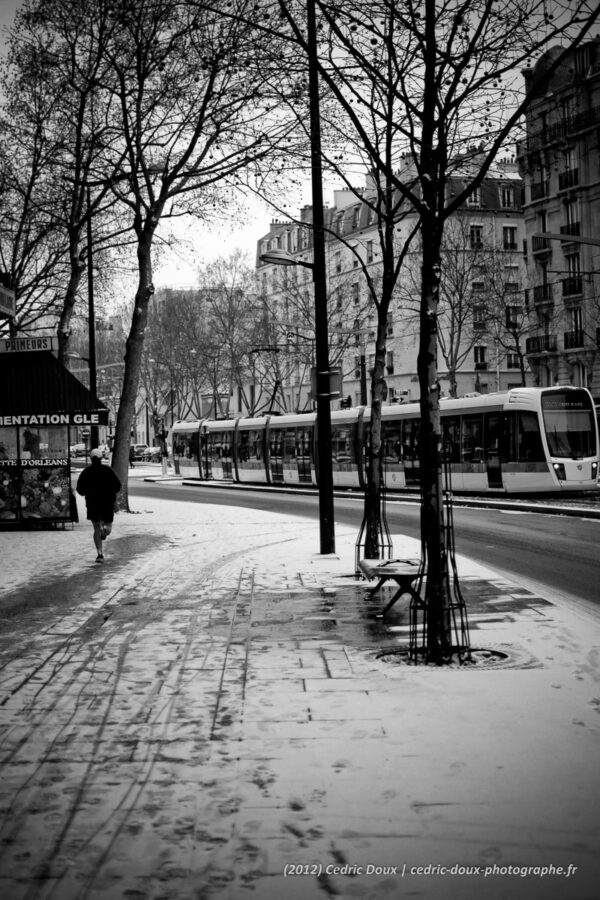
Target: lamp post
{"x":91,"y":319}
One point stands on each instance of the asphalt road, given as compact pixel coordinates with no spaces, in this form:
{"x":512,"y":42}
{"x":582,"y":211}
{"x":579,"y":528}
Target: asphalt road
{"x":553,"y":553}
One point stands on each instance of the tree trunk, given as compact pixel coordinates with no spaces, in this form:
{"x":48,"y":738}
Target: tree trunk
{"x":64,"y":323}
{"x":133,"y":365}
{"x":372,"y":508}
{"x":432,"y":506}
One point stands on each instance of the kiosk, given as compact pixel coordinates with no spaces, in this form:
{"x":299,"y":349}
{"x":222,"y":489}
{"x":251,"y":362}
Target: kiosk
{"x":42,"y":405}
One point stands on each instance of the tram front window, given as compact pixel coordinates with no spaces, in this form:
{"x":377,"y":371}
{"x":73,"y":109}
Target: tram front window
{"x":569,"y":424}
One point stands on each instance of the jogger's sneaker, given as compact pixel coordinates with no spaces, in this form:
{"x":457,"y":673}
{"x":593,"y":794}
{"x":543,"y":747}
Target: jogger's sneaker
{"x":100,"y":557}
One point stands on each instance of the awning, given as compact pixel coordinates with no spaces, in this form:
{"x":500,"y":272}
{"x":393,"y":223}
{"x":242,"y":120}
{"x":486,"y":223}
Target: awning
{"x":36,"y":383}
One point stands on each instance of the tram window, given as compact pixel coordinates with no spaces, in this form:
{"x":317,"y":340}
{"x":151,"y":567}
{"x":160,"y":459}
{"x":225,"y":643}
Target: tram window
{"x":276,"y":444}
{"x":289,"y":443}
{"x":257,"y":445}
{"x":451,"y":438}
{"x":570,"y":432}
{"x":186,"y":445}
{"x":492,"y":436}
{"x":340,"y":443}
{"x":303,"y":442}
{"x":471,"y":448}
{"x":392,"y":441}
{"x":410,"y":439}
{"x":529,"y":440}
{"x":244,"y":438}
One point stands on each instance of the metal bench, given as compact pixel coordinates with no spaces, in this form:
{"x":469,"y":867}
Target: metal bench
{"x":404,"y":572}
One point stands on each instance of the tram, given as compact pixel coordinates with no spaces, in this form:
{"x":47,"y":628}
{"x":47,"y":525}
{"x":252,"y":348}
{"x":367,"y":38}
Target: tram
{"x":523,"y":441}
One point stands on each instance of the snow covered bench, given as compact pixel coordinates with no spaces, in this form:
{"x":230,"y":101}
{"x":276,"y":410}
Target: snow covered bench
{"x":404,"y":572}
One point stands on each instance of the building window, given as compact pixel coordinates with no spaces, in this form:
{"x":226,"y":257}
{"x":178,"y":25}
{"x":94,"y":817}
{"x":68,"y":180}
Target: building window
{"x":389,"y":362}
{"x":513,"y":315}
{"x":476,"y":234}
{"x":338,"y":262}
{"x":512,"y":360}
{"x":509,"y":237}
{"x":480,"y":355}
{"x":369,"y":251}
{"x":479,"y":319}
{"x":354,"y":290}
{"x":474,"y":198}
{"x":507,"y":197}
{"x":355,"y":217}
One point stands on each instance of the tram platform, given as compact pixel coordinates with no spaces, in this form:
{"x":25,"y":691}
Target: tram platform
{"x":218,"y":712}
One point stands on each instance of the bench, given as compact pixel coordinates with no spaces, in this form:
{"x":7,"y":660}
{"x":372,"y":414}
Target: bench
{"x":403,"y":571}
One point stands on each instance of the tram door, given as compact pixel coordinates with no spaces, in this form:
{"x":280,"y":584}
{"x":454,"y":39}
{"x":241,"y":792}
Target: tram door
{"x":492,"y":442}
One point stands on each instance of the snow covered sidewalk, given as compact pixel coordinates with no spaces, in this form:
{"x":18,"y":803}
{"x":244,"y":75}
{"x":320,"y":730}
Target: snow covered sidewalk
{"x":217,"y":712}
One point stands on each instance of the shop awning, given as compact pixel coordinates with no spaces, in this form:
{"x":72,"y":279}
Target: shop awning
{"x":37,"y":383}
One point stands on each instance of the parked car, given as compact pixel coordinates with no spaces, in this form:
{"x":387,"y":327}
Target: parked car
{"x":152,"y":454}
{"x":139,"y":450}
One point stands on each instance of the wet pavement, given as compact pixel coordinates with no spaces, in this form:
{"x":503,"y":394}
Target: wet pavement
{"x":184,"y":723}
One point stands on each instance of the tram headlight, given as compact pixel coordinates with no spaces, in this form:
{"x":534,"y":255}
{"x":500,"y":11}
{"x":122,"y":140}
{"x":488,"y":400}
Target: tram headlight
{"x":559,"y":471}
{"x":594,"y":470}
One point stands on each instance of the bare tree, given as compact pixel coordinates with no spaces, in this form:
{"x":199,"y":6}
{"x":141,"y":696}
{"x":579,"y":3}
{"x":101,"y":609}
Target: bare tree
{"x":416,"y":84}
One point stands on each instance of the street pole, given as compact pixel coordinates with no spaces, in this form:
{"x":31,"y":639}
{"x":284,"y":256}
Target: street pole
{"x":91,"y":320}
{"x":325,"y":469}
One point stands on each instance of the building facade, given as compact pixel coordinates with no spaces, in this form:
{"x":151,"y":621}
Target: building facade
{"x":483,"y":321}
{"x":560,"y":164}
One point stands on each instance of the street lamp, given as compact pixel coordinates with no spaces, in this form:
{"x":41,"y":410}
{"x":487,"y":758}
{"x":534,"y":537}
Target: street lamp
{"x":324,"y":461}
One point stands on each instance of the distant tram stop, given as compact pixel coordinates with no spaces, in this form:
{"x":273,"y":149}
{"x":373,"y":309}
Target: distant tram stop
{"x":42,"y":408}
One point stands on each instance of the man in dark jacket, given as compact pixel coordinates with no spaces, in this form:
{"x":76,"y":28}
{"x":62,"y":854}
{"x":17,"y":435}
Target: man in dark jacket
{"x":99,"y":485}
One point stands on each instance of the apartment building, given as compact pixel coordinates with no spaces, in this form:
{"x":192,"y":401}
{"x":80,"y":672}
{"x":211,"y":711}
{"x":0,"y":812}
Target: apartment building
{"x":483,"y":322}
{"x":560,"y":164}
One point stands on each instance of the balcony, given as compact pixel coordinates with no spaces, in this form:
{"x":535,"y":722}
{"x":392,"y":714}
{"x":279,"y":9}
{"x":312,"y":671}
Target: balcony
{"x":572,"y":286}
{"x":543,"y":343}
{"x":568,"y":179}
{"x":480,"y":366}
{"x":542,"y":293}
{"x":573,"y":339}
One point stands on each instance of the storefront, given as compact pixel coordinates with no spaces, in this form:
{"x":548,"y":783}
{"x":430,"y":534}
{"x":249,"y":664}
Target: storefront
{"x":42,"y":405}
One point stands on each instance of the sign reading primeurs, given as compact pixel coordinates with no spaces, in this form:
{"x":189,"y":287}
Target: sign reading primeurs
{"x":17,"y":345}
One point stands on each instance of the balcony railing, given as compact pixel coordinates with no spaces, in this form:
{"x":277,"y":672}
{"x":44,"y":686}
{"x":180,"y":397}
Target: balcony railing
{"x":568,"y":179}
{"x":539,"y":244}
{"x":480,"y":366}
{"x":573,"y":339}
{"x":543,"y":343}
{"x":572,"y":285}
